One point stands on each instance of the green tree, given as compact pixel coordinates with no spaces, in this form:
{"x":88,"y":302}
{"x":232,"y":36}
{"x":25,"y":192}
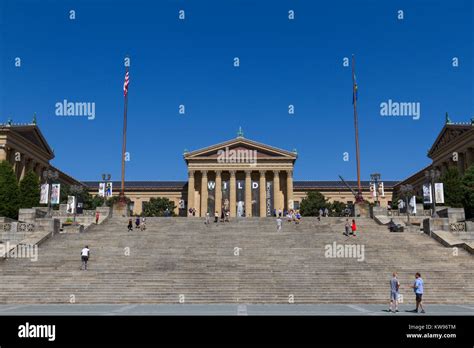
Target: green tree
{"x":453,"y":190}
{"x":29,"y":190}
{"x":157,"y":207}
{"x":336,"y":208}
{"x":9,"y":192}
{"x":311,"y":204}
{"x":468,"y":188}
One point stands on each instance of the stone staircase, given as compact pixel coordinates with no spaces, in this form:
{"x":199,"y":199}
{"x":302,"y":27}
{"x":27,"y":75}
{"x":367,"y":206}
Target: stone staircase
{"x":184,"y":259}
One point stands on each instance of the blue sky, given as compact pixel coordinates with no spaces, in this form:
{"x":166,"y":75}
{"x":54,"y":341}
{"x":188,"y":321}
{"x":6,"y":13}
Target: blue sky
{"x":283,"y":62}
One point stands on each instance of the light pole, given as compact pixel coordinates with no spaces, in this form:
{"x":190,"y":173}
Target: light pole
{"x":375,"y":178}
{"x":432,"y":175}
{"x":48,"y":176}
{"x":75,"y":189}
{"x":106,"y":178}
{"x":407,"y":191}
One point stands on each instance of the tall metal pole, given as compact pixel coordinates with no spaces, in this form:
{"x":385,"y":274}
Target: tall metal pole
{"x":124,"y":146}
{"x":354,"y":91}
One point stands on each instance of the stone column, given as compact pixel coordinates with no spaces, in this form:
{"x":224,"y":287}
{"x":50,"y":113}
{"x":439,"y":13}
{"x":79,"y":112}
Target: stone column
{"x":276,"y":191}
{"x":233,"y":194}
{"x":24,"y":163}
{"x":218,"y":195}
{"x":248,"y":193}
{"x":289,"y":189}
{"x":3,"y":153}
{"x":190,"y":190}
{"x":204,"y":193}
{"x":263,"y":195}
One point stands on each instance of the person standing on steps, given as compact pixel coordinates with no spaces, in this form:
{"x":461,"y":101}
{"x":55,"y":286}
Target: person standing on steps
{"x":85,"y":252}
{"x":143,"y":224}
{"x":347,"y":228}
{"x":418,"y":287}
{"x":97,"y":216}
{"x":137,"y":222}
{"x":207,"y":218}
{"x":130,"y":225}
{"x":326,"y":212}
{"x":216,"y":217}
{"x":354,"y":227}
{"x":320,"y":213}
{"x":394,"y":287}
{"x":279,"y":224}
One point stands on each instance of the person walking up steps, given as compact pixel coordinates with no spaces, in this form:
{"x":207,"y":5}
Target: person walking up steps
{"x":208,"y":218}
{"x":394,"y":287}
{"x":143,"y":224}
{"x":85,"y":252}
{"x":97,"y":216}
{"x":418,"y":287}
{"x":279,"y":224}
{"x":130,"y":225}
{"x":216,"y":217}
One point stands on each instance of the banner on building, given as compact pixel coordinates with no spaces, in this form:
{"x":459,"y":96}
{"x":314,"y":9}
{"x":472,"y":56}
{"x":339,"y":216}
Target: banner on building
{"x":381,"y":190}
{"x":269,"y":199}
{"x":412,"y":205}
{"x":439,"y":192}
{"x":80,"y":205}
{"x":102,"y":189}
{"x":71,"y":204}
{"x":55,"y":193}
{"x":373,"y":191}
{"x":427,"y":194}
{"x":44,"y":194}
{"x":108,"y":190}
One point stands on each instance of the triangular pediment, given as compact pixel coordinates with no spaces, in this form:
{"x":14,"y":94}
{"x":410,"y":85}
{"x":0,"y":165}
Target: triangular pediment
{"x":450,"y":133}
{"x":240,"y":144}
{"x":33,"y":135}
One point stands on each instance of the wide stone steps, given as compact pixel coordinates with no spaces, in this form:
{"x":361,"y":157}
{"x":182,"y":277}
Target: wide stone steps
{"x":184,"y":256}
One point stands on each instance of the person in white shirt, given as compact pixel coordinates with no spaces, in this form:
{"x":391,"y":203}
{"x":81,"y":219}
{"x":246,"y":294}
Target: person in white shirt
{"x":85,"y":252}
{"x":279,"y":224}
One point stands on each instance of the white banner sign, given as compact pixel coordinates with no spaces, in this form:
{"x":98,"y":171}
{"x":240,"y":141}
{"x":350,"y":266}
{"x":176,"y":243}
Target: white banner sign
{"x":439,"y":192}
{"x":413,"y":205}
{"x":55,"y":193}
{"x":102,"y":189}
{"x":108,"y":190}
{"x":71,"y":204}
{"x":44,"y":194}
{"x":382,"y":189}
{"x":427,"y":194}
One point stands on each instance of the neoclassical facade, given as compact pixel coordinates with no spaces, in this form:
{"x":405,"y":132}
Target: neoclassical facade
{"x":25,"y":148}
{"x":240,"y":175}
{"x":453,"y":147}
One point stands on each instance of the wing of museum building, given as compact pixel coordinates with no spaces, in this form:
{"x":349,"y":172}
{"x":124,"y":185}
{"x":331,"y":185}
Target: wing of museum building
{"x":453,"y":147}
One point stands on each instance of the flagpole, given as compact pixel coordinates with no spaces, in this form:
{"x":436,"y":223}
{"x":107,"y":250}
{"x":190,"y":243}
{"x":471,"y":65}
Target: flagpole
{"x":356,"y":127}
{"x":124,"y":145}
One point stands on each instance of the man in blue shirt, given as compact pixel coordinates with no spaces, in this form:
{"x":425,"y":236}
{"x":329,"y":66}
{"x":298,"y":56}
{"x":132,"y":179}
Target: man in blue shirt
{"x":418,"y":287}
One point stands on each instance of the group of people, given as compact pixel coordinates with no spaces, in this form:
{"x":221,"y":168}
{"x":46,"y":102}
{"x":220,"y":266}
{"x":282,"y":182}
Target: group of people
{"x":224,"y":216}
{"x":350,"y":228}
{"x":138,"y":224}
{"x":418,"y":288}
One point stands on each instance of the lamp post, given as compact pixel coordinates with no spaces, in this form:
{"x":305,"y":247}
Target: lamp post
{"x":375,"y":178}
{"x":106,"y":178}
{"x":407,"y":191}
{"x":432,"y":175}
{"x":75,"y":189}
{"x":48,"y":176}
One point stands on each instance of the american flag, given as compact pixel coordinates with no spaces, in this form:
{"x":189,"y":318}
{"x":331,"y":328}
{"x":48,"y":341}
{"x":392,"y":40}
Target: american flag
{"x":125,"y":84}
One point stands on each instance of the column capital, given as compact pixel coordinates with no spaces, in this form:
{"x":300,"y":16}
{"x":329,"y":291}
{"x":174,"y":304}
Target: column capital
{"x":289,"y":172}
{"x":232,"y":173}
{"x":218,"y":172}
{"x":190,"y":173}
{"x":204,"y":173}
{"x":262,"y":172}
{"x":276,"y":172}
{"x":248,"y":172}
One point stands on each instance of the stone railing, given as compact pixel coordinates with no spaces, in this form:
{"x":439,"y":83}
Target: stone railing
{"x":62,"y":213}
{"x":457,"y":227}
{"x":20,"y":227}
